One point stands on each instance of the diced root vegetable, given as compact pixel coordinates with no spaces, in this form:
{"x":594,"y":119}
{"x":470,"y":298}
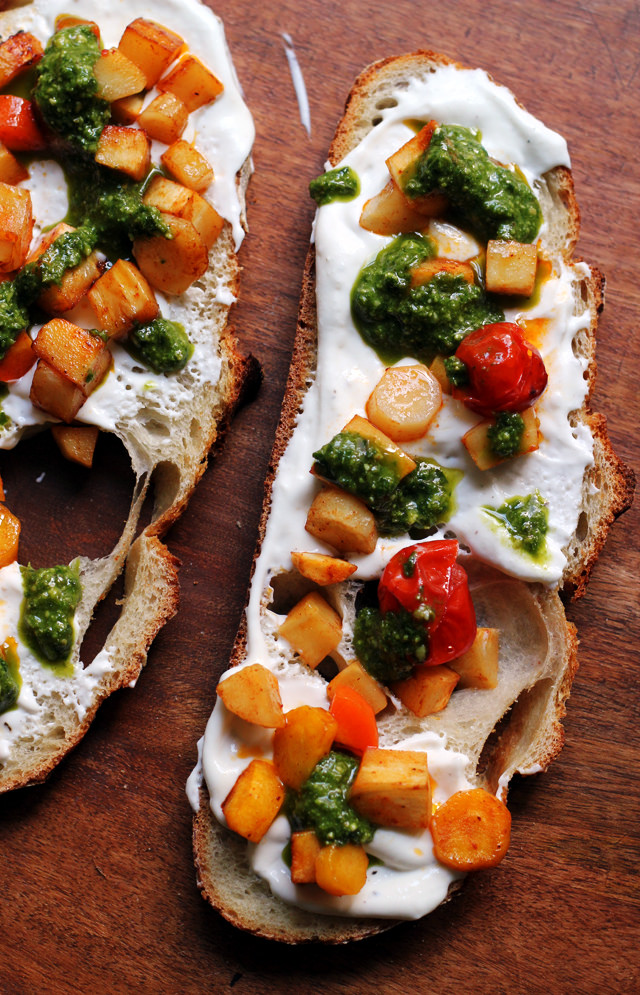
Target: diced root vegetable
{"x":476,"y":441}
{"x":16,"y":227}
{"x":478,"y":667}
{"x":18,"y":359}
{"x":19,"y":129}
{"x":404,"y":402}
{"x":151,"y":47}
{"x":431,"y":267}
{"x":165,"y":118}
{"x":63,"y":21}
{"x":117,"y":76}
{"x":125,"y":149}
{"x":18,"y":53}
{"x":254,"y":801}
{"x":471,"y":830}
{"x":342,"y":870}
{"x":428,"y":689}
{"x":76,"y":281}
{"x":253,"y":694}
{"x":174,"y":198}
{"x":74,"y":352}
{"x":402,"y":164}
{"x":188,"y":166}
{"x":54,"y":393}
{"x":342,"y":521}
{"x":9,"y":536}
{"x":437,"y":369}
{"x":11,"y":171}
{"x":126,"y":110}
{"x":322,"y":569}
{"x":121,"y":298}
{"x":172,"y":265}
{"x":301,"y":743}
{"x":393,"y":788}
{"x":451,"y":241}
{"x":390,"y":213}
{"x":305,"y":847}
{"x":313,"y":628}
{"x":403,"y":463}
{"x":77,"y":443}
{"x":192,"y":82}
{"x":511,"y":268}
{"x":355,"y":676}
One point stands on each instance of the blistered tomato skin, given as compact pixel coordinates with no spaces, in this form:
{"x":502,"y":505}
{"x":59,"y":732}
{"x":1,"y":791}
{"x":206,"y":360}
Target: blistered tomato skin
{"x":506,"y":373}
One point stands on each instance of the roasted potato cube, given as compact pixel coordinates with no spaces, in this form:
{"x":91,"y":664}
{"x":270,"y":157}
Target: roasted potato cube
{"x":450,"y":241}
{"x":390,"y":213}
{"x":11,"y":171}
{"x":125,"y":149}
{"x":204,"y":218}
{"x":343,"y":521}
{"x":254,"y":801}
{"x":18,"y":360}
{"x":187,"y":166}
{"x":192,"y":82}
{"x":9,"y":536}
{"x":511,"y":268}
{"x":172,"y":265}
{"x":478,"y":667}
{"x":18,"y":53}
{"x":476,"y":441}
{"x":76,"y":281}
{"x":52,"y":392}
{"x":165,"y":118}
{"x":305,"y":739}
{"x":173,"y":198}
{"x":392,"y":788}
{"x":167,"y":195}
{"x":342,"y":870}
{"x":253,"y":694}
{"x":74,"y":352}
{"x":427,"y":690}
{"x":151,"y":47}
{"x":16,"y":227}
{"x":322,"y":569}
{"x":117,"y":75}
{"x":355,"y":676}
{"x":313,"y":628}
{"x":402,"y":164}
{"x":305,"y":847}
{"x":404,"y":402}
{"x":437,"y":369}
{"x":430,"y":267}
{"x":122,"y":298}
{"x":127,"y":109}
{"x":63,"y":21}
{"x":404,"y":464}
{"x":471,"y":830}
{"x":77,"y":443}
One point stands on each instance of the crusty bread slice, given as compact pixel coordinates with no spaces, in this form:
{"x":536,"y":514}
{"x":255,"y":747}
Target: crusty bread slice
{"x":516,"y":727}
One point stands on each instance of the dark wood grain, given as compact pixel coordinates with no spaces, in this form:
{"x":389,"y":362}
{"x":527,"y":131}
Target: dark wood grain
{"x":97,"y":884}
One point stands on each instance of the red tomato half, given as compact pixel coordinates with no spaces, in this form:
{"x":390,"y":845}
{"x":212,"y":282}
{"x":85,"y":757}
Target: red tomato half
{"x":19,"y":129}
{"x":506,"y":373}
{"x":427,"y":574}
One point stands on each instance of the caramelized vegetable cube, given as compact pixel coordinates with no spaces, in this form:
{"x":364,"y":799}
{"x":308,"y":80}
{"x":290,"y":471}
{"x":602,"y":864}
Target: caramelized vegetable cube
{"x":192,"y":82}
{"x":313,"y":628}
{"x":511,"y":268}
{"x":305,"y":739}
{"x":19,"y":129}
{"x":18,"y":359}
{"x":127,"y":109}
{"x":471,"y":830}
{"x":74,"y":352}
{"x":253,"y":694}
{"x":75,"y":282}
{"x":16,"y":227}
{"x":165,"y":118}
{"x":437,"y":369}
{"x":52,"y":392}
{"x":402,"y":164}
{"x":168,"y":196}
{"x":342,"y":870}
{"x":404,"y":402}
{"x":392,"y":788}
{"x":77,"y":443}
{"x":478,"y":667}
{"x":254,"y":801}
{"x":427,"y":690}
{"x":122,"y":298}
{"x":151,"y":47}
{"x":390,"y":213}
{"x":403,"y":463}
{"x":204,"y":218}
{"x":188,"y":166}
{"x":18,"y":53}
{"x":343,"y":521}
{"x":125,"y":149}
{"x":117,"y":75}
{"x":172,"y":265}
{"x":11,"y":171}
{"x":476,"y":441}
{"x":452,"y":242}
{"x":322,"y":569}
{"x":355,"y":676}
{"x":430,"y":267}
{"x":174,"y":198}
{"x":9,"y":536}
{"x":305,"y":847}
{"x":63,"y":21}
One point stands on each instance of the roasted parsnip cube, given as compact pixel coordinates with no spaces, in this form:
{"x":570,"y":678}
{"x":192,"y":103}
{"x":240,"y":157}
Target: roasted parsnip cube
{"x":77,"y":443}
{"x":342,"y":870}
{"x":476,"y":441}
{"x":75,"y":282}
{"x":305,"y":739}
{"x":52,"y":392}
{"x":342,"y":521}
{"x":402,"y":164}
{"x":167,"y":195}
{"x":126,"y":110}
{"x":74,"y":352}
{"x":117,"y":75}
{"x":511,"y":268}
{"x":452,"y":242}
{"x":204,"y":218}
{"x":404,"y":402}
{"x":174,"y":198}
{"x":16,"y":227}
{"x":254,"y":801}
{"x":427,"y":690}
{"x":187,"y":166}
{"x":322,"y":569}
{"x":392,"y":788}
{"x":355,"y":676}
{"x":122,"y":298}
{"x":11,"y":171}
{"x":9,"y":536}
{"x":313,"y":628}
{"x":192,"y":82}
{"x":403,"y":463}
{"x":18,"y":53}
{"x":305,"y":847}
{"x":478,"y":667}
{"x":390,"y":213}
{"x":172,"y":265}
{"x":165,"y":118}
{"x":125,"y":149}
{"x":430,"y":267}
{"x":253,"y":694}
{"x":63,"y":21}
{"x":151,"y":47}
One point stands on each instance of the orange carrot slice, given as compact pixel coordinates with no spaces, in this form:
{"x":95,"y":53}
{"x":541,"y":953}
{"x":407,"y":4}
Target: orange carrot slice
{"x":471,"y":830}
{"x":357,"y":728}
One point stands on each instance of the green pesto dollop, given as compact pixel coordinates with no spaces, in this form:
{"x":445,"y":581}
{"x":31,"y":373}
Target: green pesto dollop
{"x":14,"y":313}
{"x":66,"y":90}
{"x":389,"y":645}
{"x":51,"y":596}
{"x":337,"y":184}
{"x":526,"y":519}
{"x":491,"y":199}
{"x":506,"y":434}
{"x":162,"y":344}
{"x":360,"y":466}
{"x":321,"y":804}
{"x":457,"y":371}
{"x":398,"y":320}
{"x":422,"y":499}
{"x":10,"y":680}
{"x":69,"y":250}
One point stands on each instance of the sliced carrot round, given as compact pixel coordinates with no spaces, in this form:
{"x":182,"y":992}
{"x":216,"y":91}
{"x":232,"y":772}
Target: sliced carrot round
{"x":9,"y":536}
{"x":357,"y":727}
{"x":471,"y":830}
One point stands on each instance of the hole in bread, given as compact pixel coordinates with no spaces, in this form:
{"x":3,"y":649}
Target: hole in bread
{"x":105,"y":616}
{"x":386,"y":102}
{"x":375,"y":121}
{"x":582,"y":528}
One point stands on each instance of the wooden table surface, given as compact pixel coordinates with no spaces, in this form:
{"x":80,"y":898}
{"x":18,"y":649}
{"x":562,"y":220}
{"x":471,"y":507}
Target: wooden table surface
{"x":97,"y":884}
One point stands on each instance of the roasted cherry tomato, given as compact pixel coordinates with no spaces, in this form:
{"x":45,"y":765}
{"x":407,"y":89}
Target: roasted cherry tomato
{"x":425,"y":579}
{"x":506,"y":373}
{"x":19,"y":129}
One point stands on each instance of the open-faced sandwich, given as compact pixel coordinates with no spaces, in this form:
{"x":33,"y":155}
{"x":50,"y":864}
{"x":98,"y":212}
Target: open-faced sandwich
{"x":438,"y":478}
{"x":124,"y":159}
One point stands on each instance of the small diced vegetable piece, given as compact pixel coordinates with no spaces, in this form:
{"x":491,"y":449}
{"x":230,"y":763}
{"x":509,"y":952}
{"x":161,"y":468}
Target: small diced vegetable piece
{"x":428,"y":269}
{"x":168,"y":196}
{"x":63,"y":21}
{"x":360,"y":425}
{"x":16,"y":227}
{"x":77,"y":443}
{"x":17,"y":53}
{"x":390,"y":213}
{"x":471,"y":830}
{"x":355,"y":676}
{"x":165,"y":118}
{"x":192,"y":82}
{"x":322,"y":569}
{"x":11,"y":171}
{"x":402,"y":163}
{"x":511,"y":267}
{"x":357,"y":729}
{"x":151,"y":47}
{"x":313,"y":628}
{"x":342,"y":870}
{"x":450,"y":241}
{"x":74,"y":352}
{"x":117,"y":75}
{"x":9,"y":536}
{"x":427,"y":690}
{"x":438,"y":370}
{"x":188,"y":166}
{"x":254,"y":801}
{"x":343,"y":521}
{"x":305,"y":847}
{"x":122,"y":298}
{"x":301,"y":743}
{"x":253,"y":694}
{"x":392,"y":788}
{"x":172,"y":265}
{"x":75,"y":282}
{"x":126,"y":110}
{"x":176,"y":199}
{"x":478,"y":667}
{"x":18,"y":359}
{"x":204,"y":218}
{"x":476,"y":441}
{"x":54,"y":393}
{"x":125,"y":149}
{"x":404,"y":402}
{"x":19,"y":129}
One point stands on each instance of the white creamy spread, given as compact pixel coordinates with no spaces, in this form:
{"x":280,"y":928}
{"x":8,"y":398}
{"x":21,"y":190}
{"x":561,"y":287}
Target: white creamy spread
{"x":410,"y":882}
